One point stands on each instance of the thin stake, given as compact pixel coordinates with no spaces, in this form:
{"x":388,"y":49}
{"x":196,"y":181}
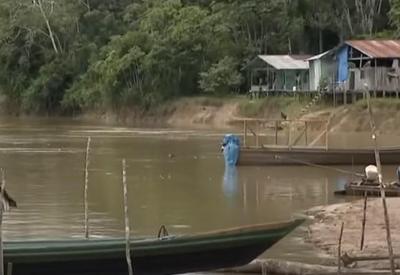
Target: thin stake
{"x":3,"y":186}
{"x":339,"y":263}
{"x":364,"y":220}
{"x":86,"y":188}
{"x":383,"y":196}
{"x":127,"y":227}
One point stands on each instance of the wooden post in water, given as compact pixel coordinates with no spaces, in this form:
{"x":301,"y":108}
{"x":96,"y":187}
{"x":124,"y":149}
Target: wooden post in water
{"x":383,"y":195}
{"x":276,"y":132}
{"x":3,"y":186}
{"x":127,"y":225}
{"x":86,"y":188}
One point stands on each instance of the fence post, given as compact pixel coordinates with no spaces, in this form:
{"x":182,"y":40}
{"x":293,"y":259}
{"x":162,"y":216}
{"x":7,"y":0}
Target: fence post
{"x":245,"y":133}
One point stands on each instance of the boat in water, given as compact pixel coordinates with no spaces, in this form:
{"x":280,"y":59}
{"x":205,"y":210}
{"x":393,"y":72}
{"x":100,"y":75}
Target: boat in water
{"x":164,"y":255}
{"x":284,"y":155}
{"x":235,"y":154}
{"x":369,"y":185}
{"x":359,"y":188}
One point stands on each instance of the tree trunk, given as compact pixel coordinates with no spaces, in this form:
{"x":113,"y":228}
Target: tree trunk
{"x":51,"y":35}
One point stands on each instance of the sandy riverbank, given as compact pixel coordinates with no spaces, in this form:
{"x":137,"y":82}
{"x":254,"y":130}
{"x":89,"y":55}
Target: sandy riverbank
{"x":325,"y":229}
{"x":223,"y":113}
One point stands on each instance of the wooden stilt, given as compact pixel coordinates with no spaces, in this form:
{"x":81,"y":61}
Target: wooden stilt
{"x":9,"y":268}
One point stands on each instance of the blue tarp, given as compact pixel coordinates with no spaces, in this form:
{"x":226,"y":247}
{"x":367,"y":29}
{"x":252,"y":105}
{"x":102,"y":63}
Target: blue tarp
{"x":231,"y":148}
{"x":343,"y":66}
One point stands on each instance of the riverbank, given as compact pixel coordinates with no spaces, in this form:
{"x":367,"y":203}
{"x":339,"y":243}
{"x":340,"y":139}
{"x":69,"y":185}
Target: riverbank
{"x":202,"y":112}
{"x":325,"y":229}
{"x":225,"y":113}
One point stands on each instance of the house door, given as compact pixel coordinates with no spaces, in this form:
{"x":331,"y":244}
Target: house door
{"x":352,"y":81}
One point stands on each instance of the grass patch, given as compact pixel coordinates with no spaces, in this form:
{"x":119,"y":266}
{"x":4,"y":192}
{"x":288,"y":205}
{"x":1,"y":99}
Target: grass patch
{"x":379,"y":103}
{"x":211,"y":101}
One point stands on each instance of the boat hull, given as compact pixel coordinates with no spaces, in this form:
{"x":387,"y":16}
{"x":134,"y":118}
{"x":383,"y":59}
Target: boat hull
{"x":303,"y":156}
{"x":167,"y":256}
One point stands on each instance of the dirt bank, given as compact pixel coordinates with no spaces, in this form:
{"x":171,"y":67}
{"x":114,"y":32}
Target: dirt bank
{"x":223,"y":113}
{"x":325,"y":228}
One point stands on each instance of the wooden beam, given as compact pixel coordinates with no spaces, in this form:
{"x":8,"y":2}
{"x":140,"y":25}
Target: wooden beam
{"x":245,"y":133}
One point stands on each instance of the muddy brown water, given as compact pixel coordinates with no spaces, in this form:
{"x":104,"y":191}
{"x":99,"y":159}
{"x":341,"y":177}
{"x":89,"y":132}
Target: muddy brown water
{"x":176,"y":178}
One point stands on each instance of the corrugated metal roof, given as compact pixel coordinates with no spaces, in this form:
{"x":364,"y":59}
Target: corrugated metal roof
{"x":286,"y":62}
{"x":318,"y":56}
{"x":377,"y":48}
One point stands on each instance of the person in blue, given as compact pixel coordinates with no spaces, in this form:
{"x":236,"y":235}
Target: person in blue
{"x":230,"y":148}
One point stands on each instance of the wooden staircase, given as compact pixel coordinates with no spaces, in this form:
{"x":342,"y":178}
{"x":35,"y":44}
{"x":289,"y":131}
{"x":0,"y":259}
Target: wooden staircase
{"x":314,"y":101}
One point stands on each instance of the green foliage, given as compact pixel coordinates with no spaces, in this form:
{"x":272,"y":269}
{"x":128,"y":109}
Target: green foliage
{"x":63,"y":56}
{"x":221,"y":78}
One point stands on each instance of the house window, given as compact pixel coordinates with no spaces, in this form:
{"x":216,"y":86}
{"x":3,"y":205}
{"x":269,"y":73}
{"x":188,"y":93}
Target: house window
{"x":362,"y":74}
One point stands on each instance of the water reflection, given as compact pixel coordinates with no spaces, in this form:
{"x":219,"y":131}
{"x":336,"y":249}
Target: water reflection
{"x":230,"y":182}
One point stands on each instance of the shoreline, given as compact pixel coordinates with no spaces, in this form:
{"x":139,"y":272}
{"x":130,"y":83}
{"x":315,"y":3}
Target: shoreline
{"x":326,"y":222}
{"x":223,"y":114}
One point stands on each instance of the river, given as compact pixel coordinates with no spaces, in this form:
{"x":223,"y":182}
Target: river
{"x":176,"y":178}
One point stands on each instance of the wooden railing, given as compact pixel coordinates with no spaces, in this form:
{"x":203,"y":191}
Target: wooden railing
{"x":268,"y":132}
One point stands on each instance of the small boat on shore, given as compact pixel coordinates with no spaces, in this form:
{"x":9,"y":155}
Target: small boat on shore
{"x":166,"y":255}
{"x":369,"y":185}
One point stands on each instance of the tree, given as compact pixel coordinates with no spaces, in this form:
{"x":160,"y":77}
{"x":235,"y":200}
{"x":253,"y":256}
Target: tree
{"x":222,"y":77}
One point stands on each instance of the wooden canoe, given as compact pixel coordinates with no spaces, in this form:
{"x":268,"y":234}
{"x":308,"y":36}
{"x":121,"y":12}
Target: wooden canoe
{"x":316,"y":155}
{"x":169,"y":255}
{"x":359,"y":188}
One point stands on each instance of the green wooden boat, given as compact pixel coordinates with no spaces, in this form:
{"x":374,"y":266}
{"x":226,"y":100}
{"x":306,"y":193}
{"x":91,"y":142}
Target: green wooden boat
{"x":167,"y":255}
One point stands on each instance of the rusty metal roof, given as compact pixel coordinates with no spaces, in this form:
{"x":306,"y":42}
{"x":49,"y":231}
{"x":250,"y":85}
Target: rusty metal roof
{"x":377,"y":48}
{"x":286,"y":62}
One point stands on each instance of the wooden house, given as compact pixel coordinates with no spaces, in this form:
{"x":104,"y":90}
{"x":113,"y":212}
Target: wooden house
{"x":278,"y":73}
{"x":323,"y":71}
{"x":358,"y":65}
